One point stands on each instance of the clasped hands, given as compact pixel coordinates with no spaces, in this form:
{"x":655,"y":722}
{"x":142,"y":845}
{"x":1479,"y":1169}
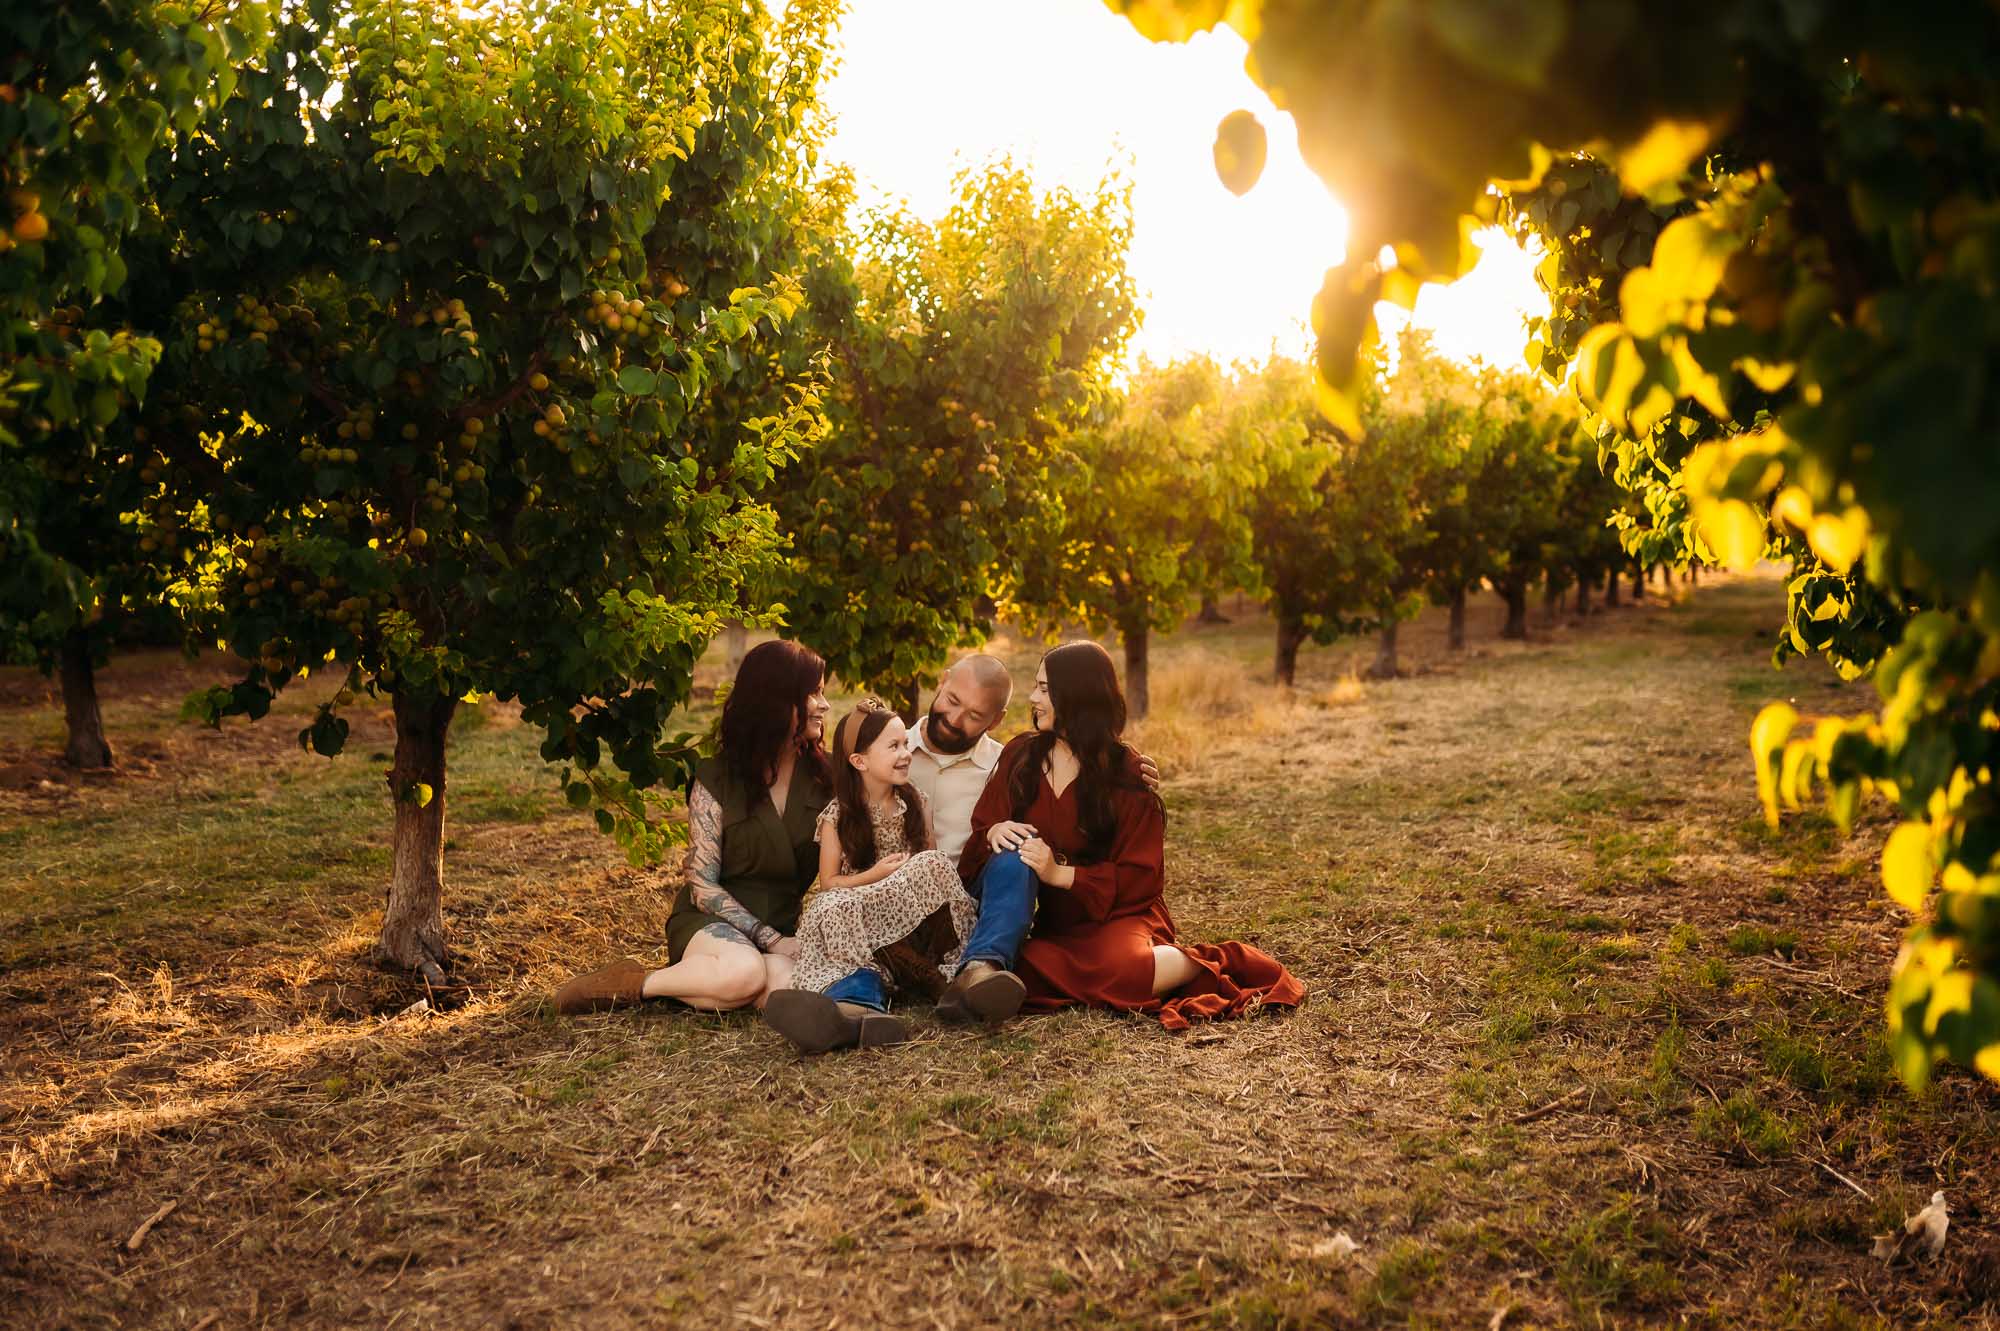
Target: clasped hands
{"x":1035,"y":852}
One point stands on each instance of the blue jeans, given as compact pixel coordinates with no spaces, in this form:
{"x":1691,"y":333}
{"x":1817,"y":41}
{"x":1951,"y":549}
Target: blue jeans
{"x":1006,"y":894}
{"x":863,"y":987}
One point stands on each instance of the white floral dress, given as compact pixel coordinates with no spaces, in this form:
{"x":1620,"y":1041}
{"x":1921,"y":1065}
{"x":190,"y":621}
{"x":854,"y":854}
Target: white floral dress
{"x":841,"y":927}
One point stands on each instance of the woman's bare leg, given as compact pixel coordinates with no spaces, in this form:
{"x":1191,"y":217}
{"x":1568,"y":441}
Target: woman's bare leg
{"x":1172,"y":968}
{"x":718,"y":971}
{"x":777,"y":975}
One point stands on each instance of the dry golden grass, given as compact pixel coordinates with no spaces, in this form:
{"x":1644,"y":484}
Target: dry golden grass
{"x":1585,"y":1043}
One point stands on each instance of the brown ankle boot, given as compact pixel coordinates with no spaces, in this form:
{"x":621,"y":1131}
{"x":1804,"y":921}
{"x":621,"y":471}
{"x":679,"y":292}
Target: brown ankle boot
{"x":815,"y":1023}
{"x":982,"y":992}
{"x":621,"y":984}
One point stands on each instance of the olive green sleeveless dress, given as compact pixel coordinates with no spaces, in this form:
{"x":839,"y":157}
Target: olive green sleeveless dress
{"x":768,"y":859}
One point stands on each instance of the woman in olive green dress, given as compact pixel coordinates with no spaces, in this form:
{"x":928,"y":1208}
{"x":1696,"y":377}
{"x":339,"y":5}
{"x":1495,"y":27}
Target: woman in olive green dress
{"x":751,"y":854}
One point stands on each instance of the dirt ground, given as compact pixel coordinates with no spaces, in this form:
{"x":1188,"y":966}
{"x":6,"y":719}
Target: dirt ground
{"x":1586,"y":1044}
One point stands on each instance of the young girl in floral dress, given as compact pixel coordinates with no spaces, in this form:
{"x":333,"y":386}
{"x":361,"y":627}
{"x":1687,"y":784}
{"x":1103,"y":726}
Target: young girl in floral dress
{"x":880,"y":882}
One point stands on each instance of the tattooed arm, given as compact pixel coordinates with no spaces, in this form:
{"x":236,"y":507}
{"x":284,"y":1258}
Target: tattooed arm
{"x":703,"y":871}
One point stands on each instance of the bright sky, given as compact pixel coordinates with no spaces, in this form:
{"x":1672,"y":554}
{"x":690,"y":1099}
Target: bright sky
{"x":1071,"y":90}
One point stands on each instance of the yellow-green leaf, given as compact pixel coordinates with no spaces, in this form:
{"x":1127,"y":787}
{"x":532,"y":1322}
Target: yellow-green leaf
{"x":1839,"y":539}
{"x":1769,"y":377}
{"x":1733,"y":531}
{"x":1240,"y":149}
{"x":1906,"y":865}
{"x":1337,"y":407}
{"x":1662,"y":154}
{"x":1767,"y":735}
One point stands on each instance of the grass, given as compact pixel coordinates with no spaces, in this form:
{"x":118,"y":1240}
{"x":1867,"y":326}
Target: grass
{"x":1568,"y":1052}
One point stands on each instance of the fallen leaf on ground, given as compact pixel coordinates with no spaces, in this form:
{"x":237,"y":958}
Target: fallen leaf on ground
{"x":1923,"y":1232}
{"x":1339,"y":1248}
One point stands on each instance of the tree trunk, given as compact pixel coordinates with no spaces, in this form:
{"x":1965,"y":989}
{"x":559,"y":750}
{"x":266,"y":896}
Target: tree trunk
{"x":906,"y":704}
{"x":1517,"y":610}
{"x":1611,"y":590}
{"x":87,"y":746}
{"x":1454,"y":637}
{"x":1583,"y":594}
{"x":1384,"y":666}
{"x":1289,"y":640}
{"x":1638,"y":583}
{"x":1137,"y":696}
{"x":736,"y":641}
{"x":1552,"y":602}
{"x":1693,"y":569}
{"x":413,"y":924}
{"x":1211,"y":613}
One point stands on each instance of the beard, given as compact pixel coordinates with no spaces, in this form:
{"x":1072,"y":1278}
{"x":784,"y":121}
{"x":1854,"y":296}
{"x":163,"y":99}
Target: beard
{"x":944,"y":737}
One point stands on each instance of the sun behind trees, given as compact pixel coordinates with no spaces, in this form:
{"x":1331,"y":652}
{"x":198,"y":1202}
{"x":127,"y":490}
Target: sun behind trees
{"x":1776,"y":304}
{"x":397,"y":391}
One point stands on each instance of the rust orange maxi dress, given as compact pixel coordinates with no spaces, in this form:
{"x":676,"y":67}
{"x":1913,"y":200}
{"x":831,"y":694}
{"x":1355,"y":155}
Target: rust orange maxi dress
{"x":1093,"y":942}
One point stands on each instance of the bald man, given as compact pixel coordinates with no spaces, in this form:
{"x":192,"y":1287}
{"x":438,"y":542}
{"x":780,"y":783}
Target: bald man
{"x":952,"y":752}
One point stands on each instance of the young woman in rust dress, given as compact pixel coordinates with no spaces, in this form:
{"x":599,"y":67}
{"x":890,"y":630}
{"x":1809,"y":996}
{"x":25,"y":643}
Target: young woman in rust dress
{"x":1066,"y":800}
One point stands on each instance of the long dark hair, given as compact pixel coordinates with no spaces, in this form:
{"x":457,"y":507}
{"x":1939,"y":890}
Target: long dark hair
{"x":1090,"y":718}
{"x":859,"y":730}
{"x":766,"y":711}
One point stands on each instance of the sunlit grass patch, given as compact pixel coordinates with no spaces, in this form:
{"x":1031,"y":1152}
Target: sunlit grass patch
{"x":1742,"y":1125}
{"x":1752,"y":940}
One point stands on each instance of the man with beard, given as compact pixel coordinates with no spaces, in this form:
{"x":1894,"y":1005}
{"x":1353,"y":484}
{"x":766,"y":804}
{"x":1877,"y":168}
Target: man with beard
{"x":952,"y":755}
{"x":952,"y":752}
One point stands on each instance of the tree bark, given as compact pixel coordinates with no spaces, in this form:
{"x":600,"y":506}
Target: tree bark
{"x":1552,"y":601}
{"x":87,"y":746}
{"x":1138,"y":698}
{"x":1638,"y":583}
{"x":736,"y":641}
{"x":1611,"y":590}
{"x":413,"y":923}
{"x":1454,"y":637}
{"x":1289,"y":640}
{"x":1210,"y":613}
{"x":1693,"y":569}
{"x":1384,"y":665}
{"x":1517,"y":611}
{"x":1583,"y":594}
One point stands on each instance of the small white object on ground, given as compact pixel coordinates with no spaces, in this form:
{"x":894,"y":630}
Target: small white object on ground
{"x":1339,"y":1247}
{"x":1923,"y":1232}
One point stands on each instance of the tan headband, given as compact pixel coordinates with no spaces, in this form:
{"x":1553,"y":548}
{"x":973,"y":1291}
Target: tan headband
{"x":843,"y":736}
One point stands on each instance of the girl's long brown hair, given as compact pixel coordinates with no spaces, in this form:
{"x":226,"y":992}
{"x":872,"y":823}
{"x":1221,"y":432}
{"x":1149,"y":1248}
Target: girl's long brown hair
{"x":858,"y":730}
{"x":766,"y":710}
{"x":1090,"y":718}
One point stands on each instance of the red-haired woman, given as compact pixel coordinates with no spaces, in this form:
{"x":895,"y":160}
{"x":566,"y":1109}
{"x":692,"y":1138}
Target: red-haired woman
{"x":751,"y":814}
{"x":1066,"y":807}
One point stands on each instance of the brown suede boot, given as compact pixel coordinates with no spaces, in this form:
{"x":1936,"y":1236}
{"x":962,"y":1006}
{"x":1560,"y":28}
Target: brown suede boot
{"x":982,"y":992}
{"x":815,"y":1023}
{"x":621,"y":984}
